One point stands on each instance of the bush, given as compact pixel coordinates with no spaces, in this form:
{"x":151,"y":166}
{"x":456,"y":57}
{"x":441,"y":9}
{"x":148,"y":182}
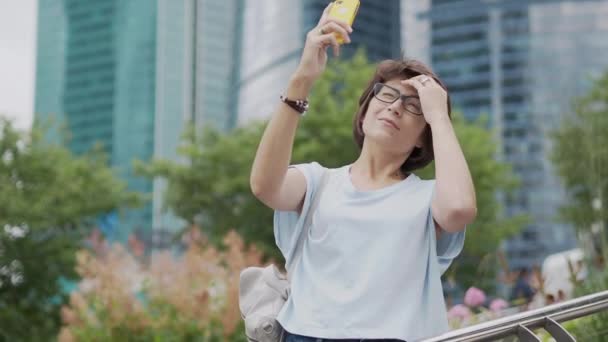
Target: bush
{"x":594,"y":327}
{"x":192,"y":297}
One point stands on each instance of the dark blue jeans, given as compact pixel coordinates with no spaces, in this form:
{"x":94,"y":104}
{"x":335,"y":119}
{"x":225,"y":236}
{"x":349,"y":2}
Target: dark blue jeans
{"x":289,"y":337}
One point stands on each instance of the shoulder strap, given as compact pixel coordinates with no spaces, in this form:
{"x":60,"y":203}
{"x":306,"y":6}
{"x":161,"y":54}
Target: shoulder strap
{"x":297,"y":254}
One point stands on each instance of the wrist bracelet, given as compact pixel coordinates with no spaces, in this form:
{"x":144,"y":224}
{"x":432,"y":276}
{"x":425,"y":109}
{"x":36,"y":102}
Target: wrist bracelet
{"x":300,"y":106}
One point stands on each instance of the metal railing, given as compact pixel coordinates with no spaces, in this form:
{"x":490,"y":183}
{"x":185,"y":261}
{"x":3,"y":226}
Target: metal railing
{"x":522,"y":324}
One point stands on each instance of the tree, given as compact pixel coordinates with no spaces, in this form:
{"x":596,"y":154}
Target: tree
{"x":48,"y":198}
{"x":212,"y":190}
{"x":581,"y":159}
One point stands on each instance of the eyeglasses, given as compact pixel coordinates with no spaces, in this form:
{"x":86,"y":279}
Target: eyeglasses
{"x":388,"y":94}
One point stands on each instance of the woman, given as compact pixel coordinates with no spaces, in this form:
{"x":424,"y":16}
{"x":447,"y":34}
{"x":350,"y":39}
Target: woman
{"x":381,"y":237}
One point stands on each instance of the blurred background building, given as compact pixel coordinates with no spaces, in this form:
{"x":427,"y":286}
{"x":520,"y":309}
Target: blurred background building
{"x":520,"y":63}
{"x":130,"y":74}
{"x":274,"y":34}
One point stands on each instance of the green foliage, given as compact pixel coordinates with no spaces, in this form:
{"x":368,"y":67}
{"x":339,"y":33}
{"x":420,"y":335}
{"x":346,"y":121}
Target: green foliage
{"x":581,"y":158}
{"x":213,"y":188}
{"x":47,"y":197}
{"x":594,"y":327}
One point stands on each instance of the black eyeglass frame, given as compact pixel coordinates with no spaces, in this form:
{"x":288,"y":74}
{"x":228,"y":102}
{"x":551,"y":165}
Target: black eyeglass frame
{"x":378,"y":86}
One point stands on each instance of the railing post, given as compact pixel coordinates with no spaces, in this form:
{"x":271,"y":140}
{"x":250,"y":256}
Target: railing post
{"x":526,"y":335}
{"x":557,"y":331}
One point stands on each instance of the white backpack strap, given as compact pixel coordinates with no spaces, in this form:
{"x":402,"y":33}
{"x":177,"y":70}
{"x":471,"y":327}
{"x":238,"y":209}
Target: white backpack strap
{"x":297,"y":254}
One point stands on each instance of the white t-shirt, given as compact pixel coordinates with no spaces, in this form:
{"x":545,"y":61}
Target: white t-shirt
{"x":371,"y":265}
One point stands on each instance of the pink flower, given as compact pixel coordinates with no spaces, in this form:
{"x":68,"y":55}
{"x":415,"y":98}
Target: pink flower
{"x":460,"y":312}
{"x":498,"y":305}
{"x":474,"y":297}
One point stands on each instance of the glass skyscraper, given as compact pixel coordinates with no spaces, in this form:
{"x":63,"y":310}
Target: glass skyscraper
{"x":274,"y":35}
{"x":415,"y":33}
{"x":130,"y":74}
{"x":219,"y":30}
{"x":51,"y":62}
{"x":520,"y":62}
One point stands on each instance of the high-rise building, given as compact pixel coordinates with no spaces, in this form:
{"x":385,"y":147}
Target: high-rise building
{"x":130,"y":74}
{"x":521,"y":63}
{"x":416,"y":33}
{"x":50,"y":62}
{"x":219,"y":31}
{"x":274,"y":35}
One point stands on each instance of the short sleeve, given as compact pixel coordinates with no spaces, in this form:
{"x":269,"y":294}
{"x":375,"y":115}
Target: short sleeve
{"x":288,"y":224}
{"x":449,"y":245}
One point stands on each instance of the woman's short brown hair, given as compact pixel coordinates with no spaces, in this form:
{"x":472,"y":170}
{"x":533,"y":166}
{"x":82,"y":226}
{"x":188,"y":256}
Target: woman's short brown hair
{"x":399,"y":69}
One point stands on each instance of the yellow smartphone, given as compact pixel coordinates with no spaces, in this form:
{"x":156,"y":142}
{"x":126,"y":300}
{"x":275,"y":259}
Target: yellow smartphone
{"x":345,"y":10}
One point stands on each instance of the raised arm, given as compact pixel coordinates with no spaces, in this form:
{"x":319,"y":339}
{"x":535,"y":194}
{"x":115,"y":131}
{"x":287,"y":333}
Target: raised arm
{"x":454,"y":204}
{"x":271,"y":181}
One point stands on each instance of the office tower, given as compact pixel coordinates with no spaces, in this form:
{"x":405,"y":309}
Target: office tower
{"x":416,"y":32}
{"x":219,"y":27}
{"x":50,"y":61}
{"x":129,"y":75}
{"x":274,"y":35}
{"x":520,"y":62}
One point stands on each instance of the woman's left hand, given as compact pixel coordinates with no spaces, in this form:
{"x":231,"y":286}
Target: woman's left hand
{"x":433,"y":98}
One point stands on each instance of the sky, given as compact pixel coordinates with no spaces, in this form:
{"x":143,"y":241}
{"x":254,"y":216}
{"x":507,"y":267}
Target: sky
{"x":17,"y":60}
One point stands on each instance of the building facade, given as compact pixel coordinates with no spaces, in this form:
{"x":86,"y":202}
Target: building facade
{"x":129,"y":76}
{"x":521,"y":63}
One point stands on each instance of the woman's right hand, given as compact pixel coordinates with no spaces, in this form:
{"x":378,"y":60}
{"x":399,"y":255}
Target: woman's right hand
{"x":314,"y":55}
